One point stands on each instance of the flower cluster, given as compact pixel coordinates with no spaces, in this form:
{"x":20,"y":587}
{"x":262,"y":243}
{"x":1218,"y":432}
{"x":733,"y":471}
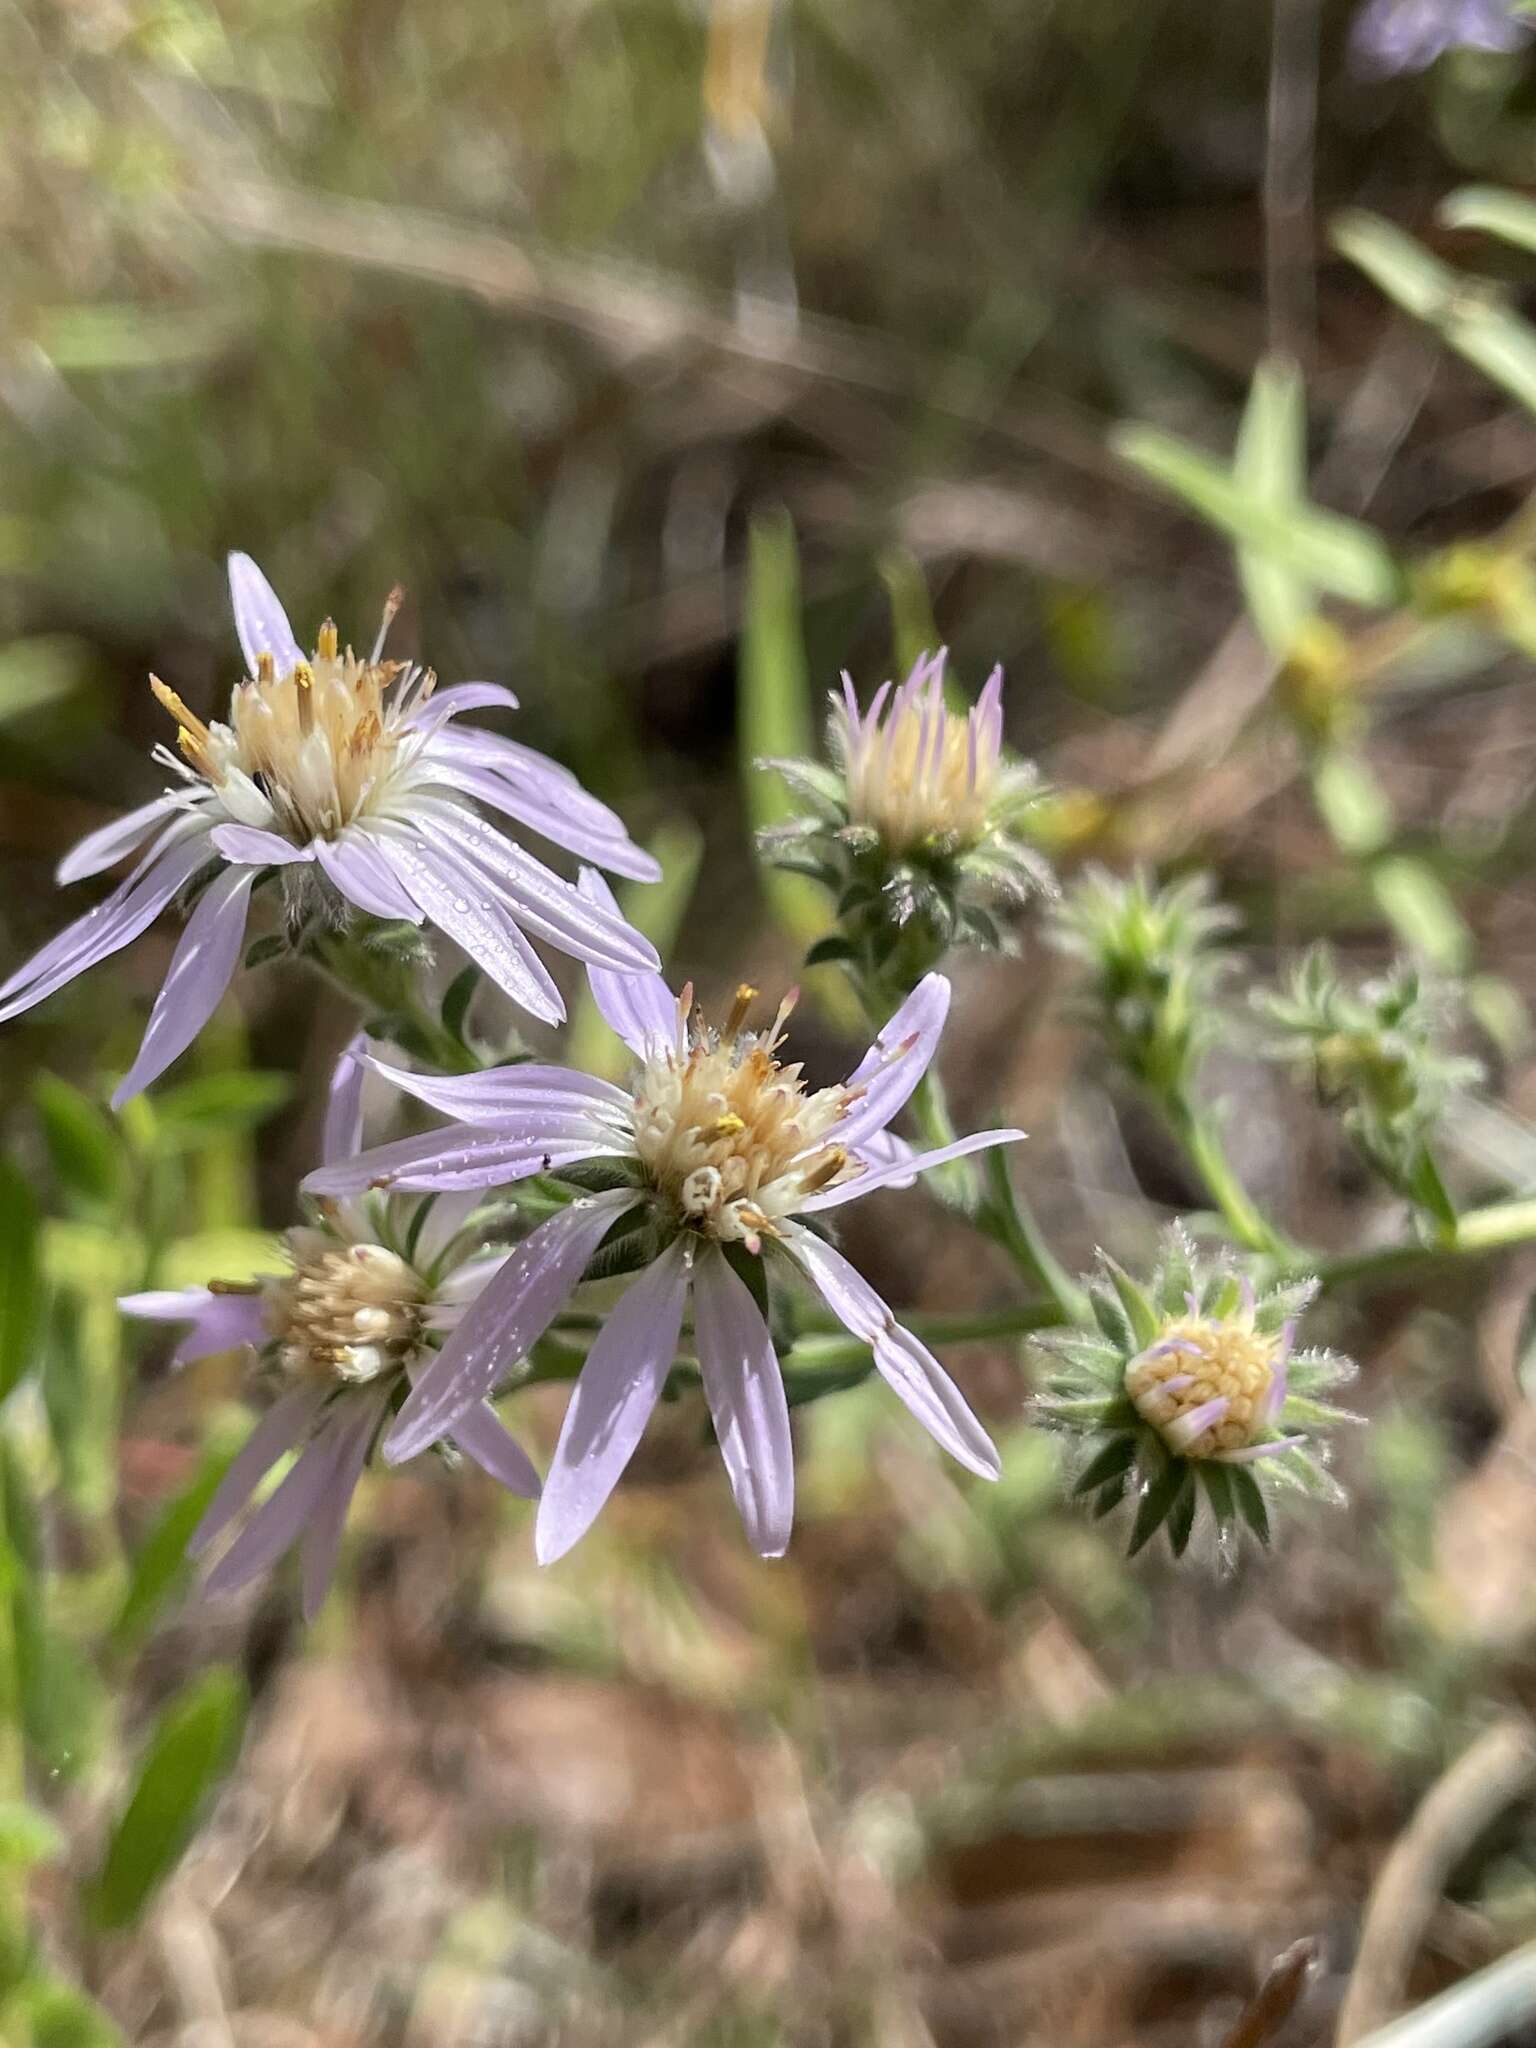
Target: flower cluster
{"x":1377,"y":1050}
{"x":1189,"y":1389}
{"x":918,"y":829}
{"x":354,"y":781}
{"x":1153,"y":967}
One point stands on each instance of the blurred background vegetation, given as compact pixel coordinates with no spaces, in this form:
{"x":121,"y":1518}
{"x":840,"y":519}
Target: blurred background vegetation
{"x":543,"y":310}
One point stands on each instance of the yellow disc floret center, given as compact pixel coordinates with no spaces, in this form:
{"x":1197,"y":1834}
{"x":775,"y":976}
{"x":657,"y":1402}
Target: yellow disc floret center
{"x":729,"y":1137}
{"x":923,"y":774}
{"x":347,"y":1311}
{"x":1205,"y":1361}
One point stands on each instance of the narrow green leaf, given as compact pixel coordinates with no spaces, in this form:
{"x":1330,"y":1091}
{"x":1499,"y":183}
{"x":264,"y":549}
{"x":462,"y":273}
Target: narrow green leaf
{"x":1321,"y":548}
{"x":774,"y":707}
{"x":83,"y":1146}
{"x":1181,"y":1516}
{"x":20,"y":1274}
{"x":1110,"y":1496}
{"x":1430,"y":1192}
{"x":193,"y":1744}
{"x":1111,"y":1319}
{"x":1133,"y":1299}
{"x":1249,"y":1496}
{"x":1422,"y":911}
{"x":1270,"y":461}
{"x":1469,"y":314}
{"x":161,"y":1564}
{"x":1217,"y":1481}
{"x":1351,"y":802}
{"x":1492,"y":212}
{"x":1108,"y":1462}
{"x":1157,"y":1503}
{"x":457,"y":997}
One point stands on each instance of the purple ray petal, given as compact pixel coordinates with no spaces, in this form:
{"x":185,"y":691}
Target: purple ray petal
{"x":252,"y":847}
{"x":354,"y":1430}
{"x":114,"y":923}
{"x":279,"y":1522}
{"x":361,"y":871}
{"x":481,"y":1435}
{"x":548,"y":906}
{"x":1251,"y":1453}
{"x":498,"y":1092}
{"x":900,"y":1056}
{"x":444,"y":705}
{"x":891,"y":1155}
{"x":463,"y":907}
{"x":284,"y":1423}
{"x":513,"y":1313}
{"x":1182,"y":1431}
{"x":745,"y":1391}
{"x":107,"y":845}
{"x":342,"y":1132}
{"x":220,"y":1322}
{"x":260,"y":621}
{"x":907,"y":1365}
{"x":596,"y":834}
{"x":900,"y":1169}
{"x":638,"y":1008}
{"x":611,"y":1402}
{"x":201,"y":969}
{"x":474,"y":1155}
{"x":526,"y":772}
{"x":1174,"y":1385}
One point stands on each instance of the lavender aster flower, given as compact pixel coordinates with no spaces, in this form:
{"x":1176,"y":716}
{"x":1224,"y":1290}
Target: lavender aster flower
{"x":373,"y":1285}
{"x":724,"y":1156}
{"x":1391,"y":36}
{"x":356,"y":780}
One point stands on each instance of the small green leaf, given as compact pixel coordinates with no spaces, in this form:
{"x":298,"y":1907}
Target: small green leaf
{"x":161,"y":1563}
{"x":83,"y":1146}
{"x":1217,"y":1481}
{"x":1249,"y":1497}
{"x":1181,"y":1516}
{"x":457,"y":997}
{"x":1351,"y":802}
{"x":20,"y":1275}
{"x":1108,"y":1462}
{"x":752,"y":1272}
{"x":1111,"y":1319}
{"x":1428,"y":1190}
{"x":1492,"y":212}
{"x":270,"y":946}
{"x":833,"y":947}
{"x":1138,"y":1309}
{"x":1157,"y":1503}
{"x":1320,"y":548}
{"x":1270,"y":461}
{"x":193,"y":1744}
{"x":1419,"y":907}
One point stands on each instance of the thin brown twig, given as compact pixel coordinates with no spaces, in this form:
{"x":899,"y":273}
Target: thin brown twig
{"x":1275,"y":2000}
{"x":1499,"y":1768}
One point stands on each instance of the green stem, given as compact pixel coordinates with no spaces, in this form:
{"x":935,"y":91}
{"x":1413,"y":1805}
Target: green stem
{"x":1006,"y":1218}
{"x":1495,"y":1227}
{"x":1200,"y":1139}
{"x":381,"y":984}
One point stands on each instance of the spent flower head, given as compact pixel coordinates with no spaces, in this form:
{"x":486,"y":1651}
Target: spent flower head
{"x":1153,"y":967}
{"x":918,"y":827}
{"x":1378,"y":1050}
{"x":352,"y":779}
{"x":372,"y":1288}
{"x":716,"y":1166}
{"x":1189,"y":1390}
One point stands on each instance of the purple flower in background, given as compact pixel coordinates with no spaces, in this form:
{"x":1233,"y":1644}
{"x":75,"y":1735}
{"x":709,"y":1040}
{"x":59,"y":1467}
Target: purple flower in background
{"x":373,"y":1285}
{"x":723,"y":1152}
{"x":1390,"y":36}
{"x":356,"y":777}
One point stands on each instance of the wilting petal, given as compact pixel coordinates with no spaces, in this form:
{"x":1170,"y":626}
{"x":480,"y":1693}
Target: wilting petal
{"x":461,"y":904}
{"x":279,"y":1522}
{"x":611,"y":1402}
{"x":900,"y":1056}
{"x":107,"y":845}
{"x":515,"y":1310}
{"x":499,"y":1092}
{"x":474,"y":1155}
{"x":1251,"y":1453}
{"x":362,"y":872}
{"x":639,"y":1008}
{"x":114,"y":923}
{"x":745,"y":1391}
{"x":284,"y":1423}
{"x":201,"y":970}
{"x":358,"y":1416}
{"x":902,"y":1361}
{"x":251,"y":847}
{"x":901,"y":1169}
{"x":260,"y":621}
{"x":343,"y":1129}
{"x":541,"y":899}
{"x":480,"y":1434}
{"x":1182,"y":1431}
